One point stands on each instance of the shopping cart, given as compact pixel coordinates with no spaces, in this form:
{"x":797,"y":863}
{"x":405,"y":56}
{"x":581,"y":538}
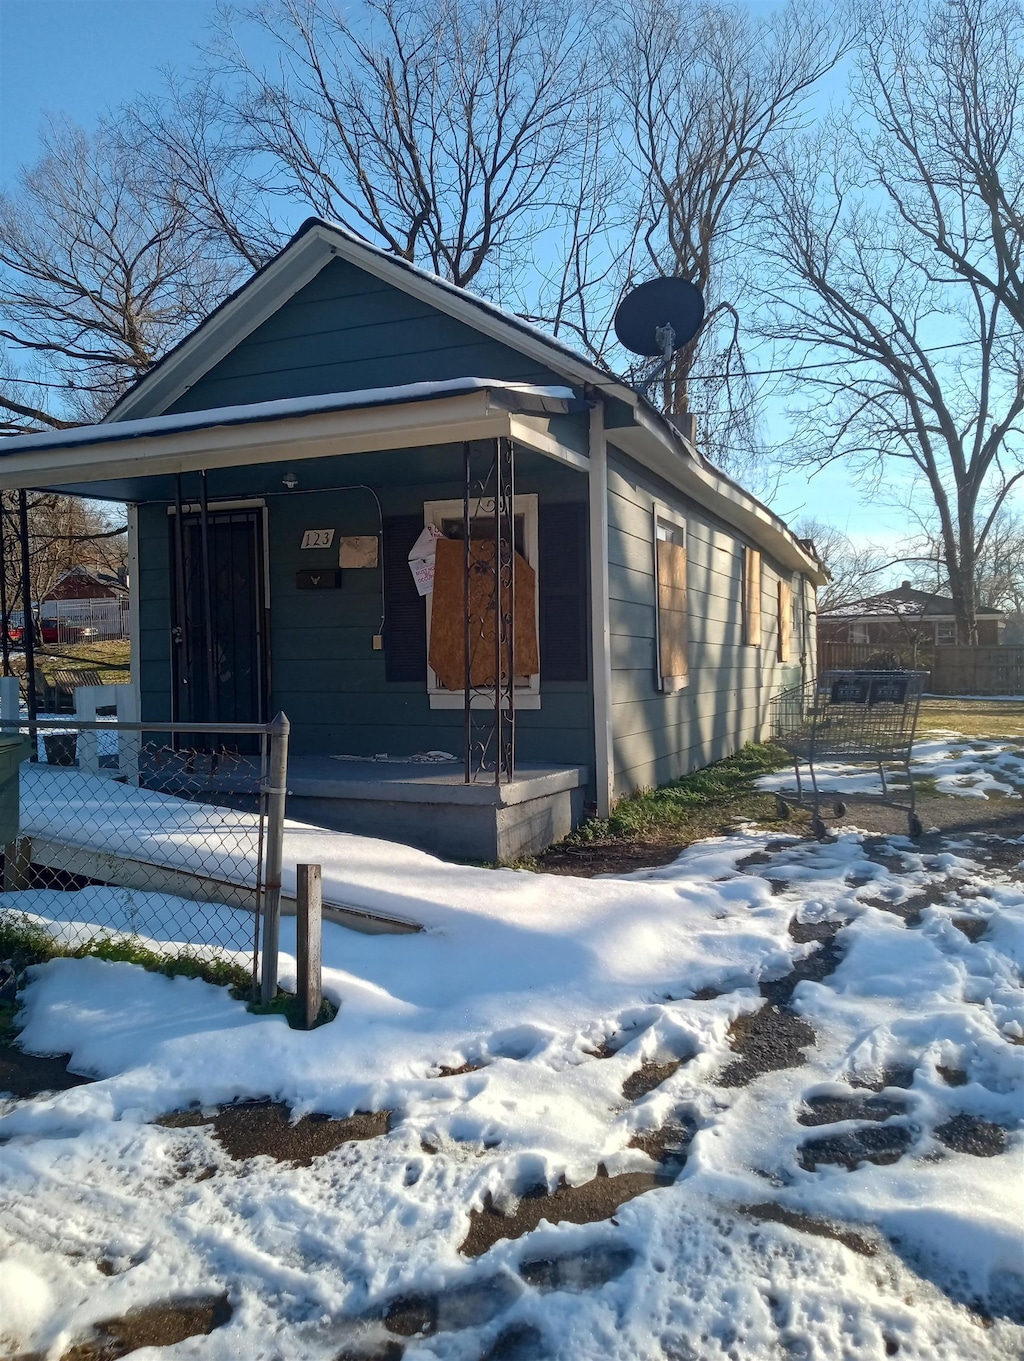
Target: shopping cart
{"x":855,"y":717}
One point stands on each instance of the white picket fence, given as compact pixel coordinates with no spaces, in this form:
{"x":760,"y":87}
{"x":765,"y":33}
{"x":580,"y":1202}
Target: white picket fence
{"x":84,"y":621}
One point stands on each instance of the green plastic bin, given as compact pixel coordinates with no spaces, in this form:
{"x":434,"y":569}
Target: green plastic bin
{"x":13,"y":750}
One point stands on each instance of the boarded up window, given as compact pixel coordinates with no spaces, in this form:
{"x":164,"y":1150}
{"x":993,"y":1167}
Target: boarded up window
{"x":752,"y":597}
{"x":670,"y":549}
{"x":448,"y":615}
{"x":563,"y":592}
{"x":785,"y":621}
{"x":405,"y":620}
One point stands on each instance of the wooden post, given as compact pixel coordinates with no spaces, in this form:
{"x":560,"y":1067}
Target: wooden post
{"x":17,"y":864}
{"x":309,"y":919}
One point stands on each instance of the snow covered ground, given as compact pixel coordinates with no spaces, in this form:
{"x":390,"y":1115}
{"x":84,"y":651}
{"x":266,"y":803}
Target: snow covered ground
{"x":961,"y":766}
{"x":526,"y":981}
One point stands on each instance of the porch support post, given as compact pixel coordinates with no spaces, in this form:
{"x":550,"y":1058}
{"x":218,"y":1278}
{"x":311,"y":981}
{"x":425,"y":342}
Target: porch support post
{"x":600,"y":622}
{"x":467,"y":569}
{"x":504,"y":611}
{"x":211,"y":666}
{"x":134,"y":612}
{"x":5,"y":641}
{"x":179,"y":634}
{"x":29,"y":623}
{"x":490,"y":729}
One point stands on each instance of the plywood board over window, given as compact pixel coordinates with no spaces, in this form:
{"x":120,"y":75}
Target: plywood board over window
{"x":673,"y":624}
{"x":448,"y":615}
{"x":751,"y":597}
{"x":785,"y":599}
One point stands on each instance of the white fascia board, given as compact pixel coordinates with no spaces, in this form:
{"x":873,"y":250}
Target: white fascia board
{"x":238,"y":318}
{"x":534,"y":432}
{"x":323,"y":435}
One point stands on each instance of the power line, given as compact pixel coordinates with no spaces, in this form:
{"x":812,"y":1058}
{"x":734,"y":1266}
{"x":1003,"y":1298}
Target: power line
{"x":826,"y":364}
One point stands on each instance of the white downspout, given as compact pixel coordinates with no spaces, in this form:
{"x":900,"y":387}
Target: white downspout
{"x":600,"y":624}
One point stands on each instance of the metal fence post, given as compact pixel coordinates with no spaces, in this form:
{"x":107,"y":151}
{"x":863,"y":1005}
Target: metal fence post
{"x":275,"y":790}
{"x":309,"y":942}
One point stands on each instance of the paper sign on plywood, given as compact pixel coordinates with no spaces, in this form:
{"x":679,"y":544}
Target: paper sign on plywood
{"x":421,"y":559}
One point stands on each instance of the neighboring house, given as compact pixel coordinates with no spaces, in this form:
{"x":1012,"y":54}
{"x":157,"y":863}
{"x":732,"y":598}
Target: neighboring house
{"x":80,"y":584}
{"x":901,"y":618}
{"x":326,"y":413}
{"x":84,"y":606}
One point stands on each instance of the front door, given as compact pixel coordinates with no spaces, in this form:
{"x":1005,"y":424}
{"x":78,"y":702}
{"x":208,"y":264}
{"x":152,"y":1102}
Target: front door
{"x":219,"y":642}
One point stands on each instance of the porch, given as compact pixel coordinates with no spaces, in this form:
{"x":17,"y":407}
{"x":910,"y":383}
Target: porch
{"x":276,"y":567}
{"x":428,"y":805}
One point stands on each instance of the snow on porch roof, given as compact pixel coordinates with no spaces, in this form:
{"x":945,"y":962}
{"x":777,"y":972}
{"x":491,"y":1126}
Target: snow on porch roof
{"x":519,"y":397}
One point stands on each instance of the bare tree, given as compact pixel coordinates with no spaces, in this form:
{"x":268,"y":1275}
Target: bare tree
{"x":705,"y":90}
{"x":857,"y":570}
{"x":447,"y":133}
{"x":926,"y":387}
{"x":186,"y":139}
{"x":946,"y":93}
{"x":99,"y":273}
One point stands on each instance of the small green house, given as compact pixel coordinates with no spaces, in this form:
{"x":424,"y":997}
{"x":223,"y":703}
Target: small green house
{"x":620,"y":610}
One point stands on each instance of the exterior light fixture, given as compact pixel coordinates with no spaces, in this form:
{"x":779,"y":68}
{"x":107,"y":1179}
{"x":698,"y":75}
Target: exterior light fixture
{"x":290,"y":480}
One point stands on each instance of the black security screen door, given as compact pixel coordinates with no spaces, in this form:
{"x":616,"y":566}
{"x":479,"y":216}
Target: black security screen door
{"x":219,"y":618}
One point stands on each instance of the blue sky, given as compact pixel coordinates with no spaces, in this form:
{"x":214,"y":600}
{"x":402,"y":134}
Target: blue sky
{"x":80,"y":57}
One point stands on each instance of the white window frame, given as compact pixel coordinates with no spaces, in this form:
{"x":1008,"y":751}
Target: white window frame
{"x":943,"y":628}
{"x":435,"y":513}
{"x":671,"y":519}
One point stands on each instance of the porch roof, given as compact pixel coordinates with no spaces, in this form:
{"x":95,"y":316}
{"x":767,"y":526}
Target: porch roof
{"x":135,"y":460}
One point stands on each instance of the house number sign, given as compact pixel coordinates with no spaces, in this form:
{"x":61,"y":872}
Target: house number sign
{"x":317,"y":538}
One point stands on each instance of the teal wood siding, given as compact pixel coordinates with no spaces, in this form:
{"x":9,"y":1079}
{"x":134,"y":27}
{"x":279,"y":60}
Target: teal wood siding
{"x":659,"y":736}
{"x":347,"y":330}
{"x":326,"y":675}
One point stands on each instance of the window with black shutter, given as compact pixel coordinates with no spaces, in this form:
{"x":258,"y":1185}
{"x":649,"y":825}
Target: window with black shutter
{"x":562,"y":574}
{"x":405,"y":620}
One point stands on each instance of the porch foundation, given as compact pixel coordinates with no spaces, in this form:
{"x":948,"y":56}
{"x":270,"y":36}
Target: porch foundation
{"x":431,"y":807}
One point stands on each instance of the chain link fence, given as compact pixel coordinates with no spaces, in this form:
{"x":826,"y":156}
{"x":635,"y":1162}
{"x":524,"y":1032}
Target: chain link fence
{"x":168,"y":835}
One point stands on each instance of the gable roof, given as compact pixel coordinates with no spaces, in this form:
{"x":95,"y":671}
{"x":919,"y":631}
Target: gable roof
{"x":905,"y":600}
{"x":638,"y":428}
{"x":315,"y":244}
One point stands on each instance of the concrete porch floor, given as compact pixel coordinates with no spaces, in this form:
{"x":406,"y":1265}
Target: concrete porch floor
{"x":431,"y":806}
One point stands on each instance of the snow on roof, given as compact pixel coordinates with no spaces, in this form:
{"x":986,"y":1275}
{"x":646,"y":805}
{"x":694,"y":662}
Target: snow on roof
{"x":904,"y":600}
{"x":520,"y":396}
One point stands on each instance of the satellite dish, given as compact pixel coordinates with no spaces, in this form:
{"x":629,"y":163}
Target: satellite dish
{"x":644,"y":316}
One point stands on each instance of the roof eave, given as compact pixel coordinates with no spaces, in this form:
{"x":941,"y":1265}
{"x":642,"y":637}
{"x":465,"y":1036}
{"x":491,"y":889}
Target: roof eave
{"x":445,"y":419}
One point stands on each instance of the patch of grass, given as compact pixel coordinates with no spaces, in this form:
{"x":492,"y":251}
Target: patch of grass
{"x":987,"y":718}
{"x":716,"y":787}
{"x":286,"y":1004}
{"x":24,"y":942}
{"x":654,"y":825}
{"x":110,"y":659}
